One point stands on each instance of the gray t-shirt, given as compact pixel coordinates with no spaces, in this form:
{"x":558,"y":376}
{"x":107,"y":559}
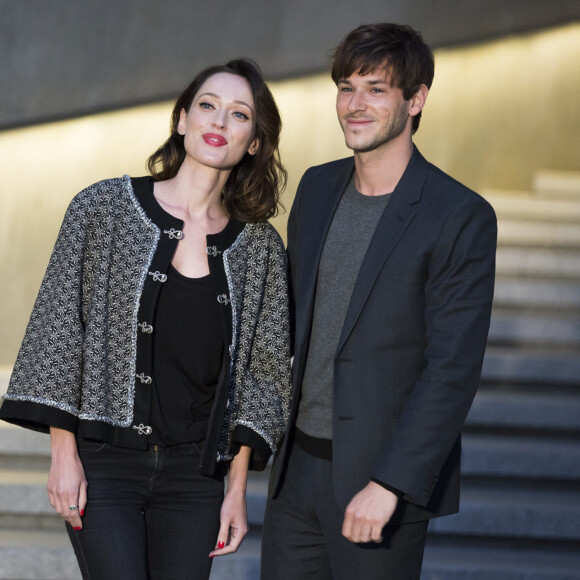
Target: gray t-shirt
{"x":348,"y":239}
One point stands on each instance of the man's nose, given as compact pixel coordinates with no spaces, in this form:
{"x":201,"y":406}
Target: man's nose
{"x":356,"y":102}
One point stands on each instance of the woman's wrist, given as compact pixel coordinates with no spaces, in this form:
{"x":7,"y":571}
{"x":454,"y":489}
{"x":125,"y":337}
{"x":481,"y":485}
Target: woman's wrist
{"x":62,"y":441}
{"x":238,"y":474}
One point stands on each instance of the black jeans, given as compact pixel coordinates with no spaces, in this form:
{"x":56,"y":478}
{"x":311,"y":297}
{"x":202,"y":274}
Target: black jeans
{"x":302,"y":533}
{"x":149,"y":515}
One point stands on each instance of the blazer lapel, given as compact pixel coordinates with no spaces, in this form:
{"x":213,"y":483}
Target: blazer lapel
{"x":395,"y":219}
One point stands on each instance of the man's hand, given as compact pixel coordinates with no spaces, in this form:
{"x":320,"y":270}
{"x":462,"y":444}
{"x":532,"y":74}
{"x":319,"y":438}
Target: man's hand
{"x":368,"y":512}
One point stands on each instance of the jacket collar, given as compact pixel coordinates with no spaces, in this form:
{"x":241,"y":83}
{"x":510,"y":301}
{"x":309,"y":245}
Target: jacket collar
{"x":397,"y":216}
{"x":143,"y":190}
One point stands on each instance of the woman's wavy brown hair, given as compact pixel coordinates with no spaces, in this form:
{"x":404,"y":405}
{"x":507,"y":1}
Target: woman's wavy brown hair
{"x":252,"y":191}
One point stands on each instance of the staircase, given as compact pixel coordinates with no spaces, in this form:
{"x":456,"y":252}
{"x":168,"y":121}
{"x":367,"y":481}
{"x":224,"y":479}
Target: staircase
{"x":520,"y":508}
{"x":520,"y":505}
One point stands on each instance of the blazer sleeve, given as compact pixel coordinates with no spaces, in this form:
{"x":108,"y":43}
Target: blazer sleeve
{"x":264,"y":403}
{"x":44,"y":388}
{"x":458,"y":300}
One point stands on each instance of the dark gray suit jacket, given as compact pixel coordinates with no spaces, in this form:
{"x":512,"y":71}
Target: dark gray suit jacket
{"x":409,"y":357}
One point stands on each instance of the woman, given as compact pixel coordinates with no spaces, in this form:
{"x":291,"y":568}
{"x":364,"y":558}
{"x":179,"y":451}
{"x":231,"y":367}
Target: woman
{"x":157,"y":354}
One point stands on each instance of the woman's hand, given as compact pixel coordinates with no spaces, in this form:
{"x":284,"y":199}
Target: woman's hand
{"x":67,"y":485}
{"x":233,"y":515}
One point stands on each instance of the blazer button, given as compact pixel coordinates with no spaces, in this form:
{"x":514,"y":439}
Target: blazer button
{"x":144,"y":379}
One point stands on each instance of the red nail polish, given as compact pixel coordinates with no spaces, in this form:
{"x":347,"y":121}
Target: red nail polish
{"x":77,"y":529}
{"x":221,"y":544}
{"x":82,"y":512}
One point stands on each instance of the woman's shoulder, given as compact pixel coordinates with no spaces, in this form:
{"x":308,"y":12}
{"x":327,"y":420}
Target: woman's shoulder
{"x":107,"y":195}
{"x":263,"y":231}
{"x":104,"y":188}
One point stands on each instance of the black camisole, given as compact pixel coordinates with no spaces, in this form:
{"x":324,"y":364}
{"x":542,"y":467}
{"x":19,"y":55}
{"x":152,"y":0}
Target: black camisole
{"x":188,"y":345}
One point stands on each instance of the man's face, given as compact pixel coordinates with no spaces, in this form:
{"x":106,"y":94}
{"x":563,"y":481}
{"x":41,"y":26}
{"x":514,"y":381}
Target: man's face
{"x":371,"y":112}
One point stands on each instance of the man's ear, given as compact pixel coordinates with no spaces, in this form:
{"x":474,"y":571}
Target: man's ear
{"x":418,"y":100}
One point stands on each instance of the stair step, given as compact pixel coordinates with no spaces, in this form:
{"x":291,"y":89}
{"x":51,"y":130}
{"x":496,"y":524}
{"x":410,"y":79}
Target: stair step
{"x":481,"y":563}
{"x":514,"y":327}
{"x":5,"y":372}
{"x":18,"y":441}
{"x":520,"y":457}
{"x":498,"y":408}
{"x":24,"y":492}
{"x":528,"y":365}
{"x":540,"y":234}
{"x":525,"y":206}
{"x":537,"y":293}
{"x":34,"y":555}
{"x":557,"y":184}
{"x":514,"y":513}
{"x":538,"y":262}
{"x":256,"y":494}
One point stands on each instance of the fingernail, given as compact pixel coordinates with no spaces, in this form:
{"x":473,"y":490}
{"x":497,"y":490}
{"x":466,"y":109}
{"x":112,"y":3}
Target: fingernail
{"x":221,"y":544}
{"x":77,"y":529}
{"x":82,"y":512}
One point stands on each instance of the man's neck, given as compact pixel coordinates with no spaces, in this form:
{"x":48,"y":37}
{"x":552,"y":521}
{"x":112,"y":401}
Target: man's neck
{"x":378,"y":172}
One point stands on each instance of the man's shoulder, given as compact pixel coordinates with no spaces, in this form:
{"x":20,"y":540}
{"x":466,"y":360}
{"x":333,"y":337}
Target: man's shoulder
{"x":439,"y":183}
{"x":329,"y":168}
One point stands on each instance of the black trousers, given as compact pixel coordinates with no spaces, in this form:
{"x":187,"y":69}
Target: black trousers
{"x":150,"y":514}
{"x":301,"y":536}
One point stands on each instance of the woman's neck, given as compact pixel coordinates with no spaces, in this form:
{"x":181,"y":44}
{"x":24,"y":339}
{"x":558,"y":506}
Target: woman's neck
{"x":193,"y":192}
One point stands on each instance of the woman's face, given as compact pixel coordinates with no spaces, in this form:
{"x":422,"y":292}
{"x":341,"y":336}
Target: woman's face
{"x":219,"y":127}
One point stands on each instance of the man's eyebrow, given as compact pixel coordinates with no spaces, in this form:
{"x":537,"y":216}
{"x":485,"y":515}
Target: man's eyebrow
{"x":368,"y":82}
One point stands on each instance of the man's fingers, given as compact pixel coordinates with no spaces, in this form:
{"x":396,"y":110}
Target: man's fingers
{"x":377,"y":534}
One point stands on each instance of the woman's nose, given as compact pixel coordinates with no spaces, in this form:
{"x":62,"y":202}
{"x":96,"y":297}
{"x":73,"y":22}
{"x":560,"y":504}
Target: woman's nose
{"x":220,"y":119}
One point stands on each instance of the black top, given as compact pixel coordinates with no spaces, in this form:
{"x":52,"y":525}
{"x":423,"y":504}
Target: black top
{"x":188,"y":343}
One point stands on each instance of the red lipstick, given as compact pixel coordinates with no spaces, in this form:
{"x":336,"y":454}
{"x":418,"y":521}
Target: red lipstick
{"x":214,"y":140}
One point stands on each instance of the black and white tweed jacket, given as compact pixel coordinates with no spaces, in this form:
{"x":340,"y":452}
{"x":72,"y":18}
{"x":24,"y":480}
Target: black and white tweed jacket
{"x":85,"y":359}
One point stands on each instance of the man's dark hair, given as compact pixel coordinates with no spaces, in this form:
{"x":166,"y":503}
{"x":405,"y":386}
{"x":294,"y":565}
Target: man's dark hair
{"x":397,"y":48}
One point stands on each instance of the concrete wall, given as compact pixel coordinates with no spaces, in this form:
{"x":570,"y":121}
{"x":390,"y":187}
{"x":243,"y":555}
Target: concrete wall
{"x":497,"y":112}
{"x":62,"y":58}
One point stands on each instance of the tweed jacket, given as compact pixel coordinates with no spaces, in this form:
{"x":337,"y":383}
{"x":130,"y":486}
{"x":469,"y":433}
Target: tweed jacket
{"x":85,"y":361}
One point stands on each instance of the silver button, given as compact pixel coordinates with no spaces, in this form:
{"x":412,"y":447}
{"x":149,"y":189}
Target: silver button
{"x":223,"y":299}
{"x":146,"y":328}
{"x":231,"y":349}
{"x":212,"y":251}
{"x":174,"y":234}
{"x":143,"y":429}
{"x":158,"y":276}
{"x":144,"y":378}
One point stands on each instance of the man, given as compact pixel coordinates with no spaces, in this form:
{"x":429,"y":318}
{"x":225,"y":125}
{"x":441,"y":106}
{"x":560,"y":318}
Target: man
{"x":392,"y":268}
